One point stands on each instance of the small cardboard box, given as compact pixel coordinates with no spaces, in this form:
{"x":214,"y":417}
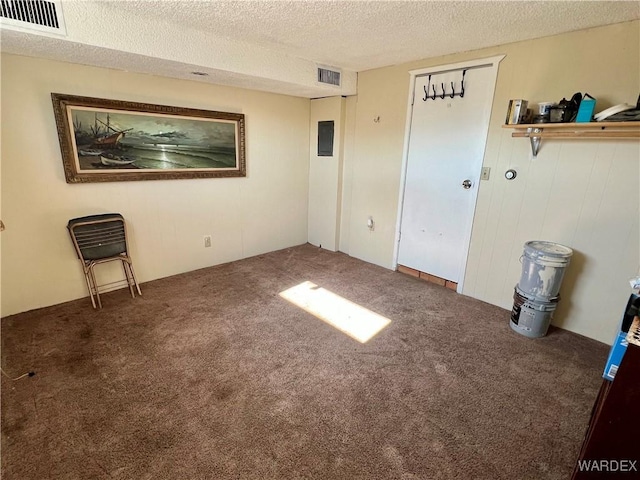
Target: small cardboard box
{"x":616,"y":353}
{"x":517,"y":111}
{"x":586,"y":108}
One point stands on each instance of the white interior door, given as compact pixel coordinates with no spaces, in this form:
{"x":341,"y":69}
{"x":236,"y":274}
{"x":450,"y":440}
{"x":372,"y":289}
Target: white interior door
{"x":444,"y":163}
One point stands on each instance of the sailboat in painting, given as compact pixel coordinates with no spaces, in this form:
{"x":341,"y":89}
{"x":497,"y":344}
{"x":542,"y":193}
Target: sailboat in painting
{"x":109,"y":140}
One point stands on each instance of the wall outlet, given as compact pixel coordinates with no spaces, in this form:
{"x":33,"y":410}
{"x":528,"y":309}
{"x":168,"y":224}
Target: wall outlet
{"x":207,"y":241}
{"x":486,"y":173}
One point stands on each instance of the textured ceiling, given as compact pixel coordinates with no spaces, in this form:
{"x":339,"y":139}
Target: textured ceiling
{"x":275,"y":45}
{"x":361,"y":35}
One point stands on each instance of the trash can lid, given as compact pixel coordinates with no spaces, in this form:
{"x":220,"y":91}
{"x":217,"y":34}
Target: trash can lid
{"x":547,"y":248}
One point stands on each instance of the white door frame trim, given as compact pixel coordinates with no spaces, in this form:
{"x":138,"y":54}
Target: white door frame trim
{"x":489,"y":62}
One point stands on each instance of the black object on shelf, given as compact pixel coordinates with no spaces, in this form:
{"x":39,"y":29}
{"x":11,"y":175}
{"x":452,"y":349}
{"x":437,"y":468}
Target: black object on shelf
{"x":566,"y":110}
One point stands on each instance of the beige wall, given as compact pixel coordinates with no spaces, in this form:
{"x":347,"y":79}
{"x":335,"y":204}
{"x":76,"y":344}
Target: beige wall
{"x":582,"y":193}
{"x":579,"y":192}
{"x":265,"y":211}
{"x":325,"y":174}
{"x":347,"y":172}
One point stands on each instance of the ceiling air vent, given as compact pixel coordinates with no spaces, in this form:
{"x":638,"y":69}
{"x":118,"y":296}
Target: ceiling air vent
{"x":28,"y":15}
{"x":329,"y":76}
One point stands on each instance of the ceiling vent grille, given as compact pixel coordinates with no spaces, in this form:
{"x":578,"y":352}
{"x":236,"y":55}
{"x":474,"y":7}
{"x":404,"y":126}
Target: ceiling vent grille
{"x":41,"y":15}
{"x":329,"y":76}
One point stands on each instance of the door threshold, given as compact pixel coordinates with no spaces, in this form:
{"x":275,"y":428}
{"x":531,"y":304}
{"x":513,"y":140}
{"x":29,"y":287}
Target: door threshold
{"x":427,"y":277}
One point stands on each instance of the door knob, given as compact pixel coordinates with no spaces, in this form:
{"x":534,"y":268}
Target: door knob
{"x":466,"y":184}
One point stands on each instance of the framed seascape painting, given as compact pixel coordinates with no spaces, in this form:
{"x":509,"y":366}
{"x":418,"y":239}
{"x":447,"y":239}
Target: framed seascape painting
{"x":111,"y":141}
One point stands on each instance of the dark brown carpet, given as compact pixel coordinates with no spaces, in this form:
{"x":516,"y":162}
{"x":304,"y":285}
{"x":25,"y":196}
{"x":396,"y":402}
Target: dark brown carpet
{"x":212,"y":375}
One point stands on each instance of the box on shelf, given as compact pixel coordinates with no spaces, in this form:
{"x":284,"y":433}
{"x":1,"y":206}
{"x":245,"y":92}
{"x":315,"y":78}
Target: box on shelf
{"x":517,"y":111}
{"x":586,"y":108}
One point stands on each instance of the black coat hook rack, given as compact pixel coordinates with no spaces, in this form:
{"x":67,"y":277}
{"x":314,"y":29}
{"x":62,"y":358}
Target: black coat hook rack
{"x":428,"y":87}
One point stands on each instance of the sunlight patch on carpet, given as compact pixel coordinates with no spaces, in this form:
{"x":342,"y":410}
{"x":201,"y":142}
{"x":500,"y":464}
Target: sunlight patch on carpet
{"x":358,"y":322}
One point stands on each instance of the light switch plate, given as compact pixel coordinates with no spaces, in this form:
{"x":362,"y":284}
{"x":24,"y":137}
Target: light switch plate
{"x":486,"y":173}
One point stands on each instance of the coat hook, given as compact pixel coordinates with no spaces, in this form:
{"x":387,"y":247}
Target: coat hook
{"x":434,"y":92}
{"x":464,"y":72}
{"x":442,"y":95}
{"x":453,"y":90}
{"x":426,"y":90}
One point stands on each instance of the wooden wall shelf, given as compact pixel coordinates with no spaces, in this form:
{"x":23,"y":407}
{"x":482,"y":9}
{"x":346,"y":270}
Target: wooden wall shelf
{"x":537,"y":131}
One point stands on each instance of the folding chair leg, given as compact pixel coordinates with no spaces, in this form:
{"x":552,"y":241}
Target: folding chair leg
{"x":133,"y":275}
{"x":128,"y":277}
{"x":92,"y":283}
{"x":95,"y":283}
{"x":89,"y":286}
